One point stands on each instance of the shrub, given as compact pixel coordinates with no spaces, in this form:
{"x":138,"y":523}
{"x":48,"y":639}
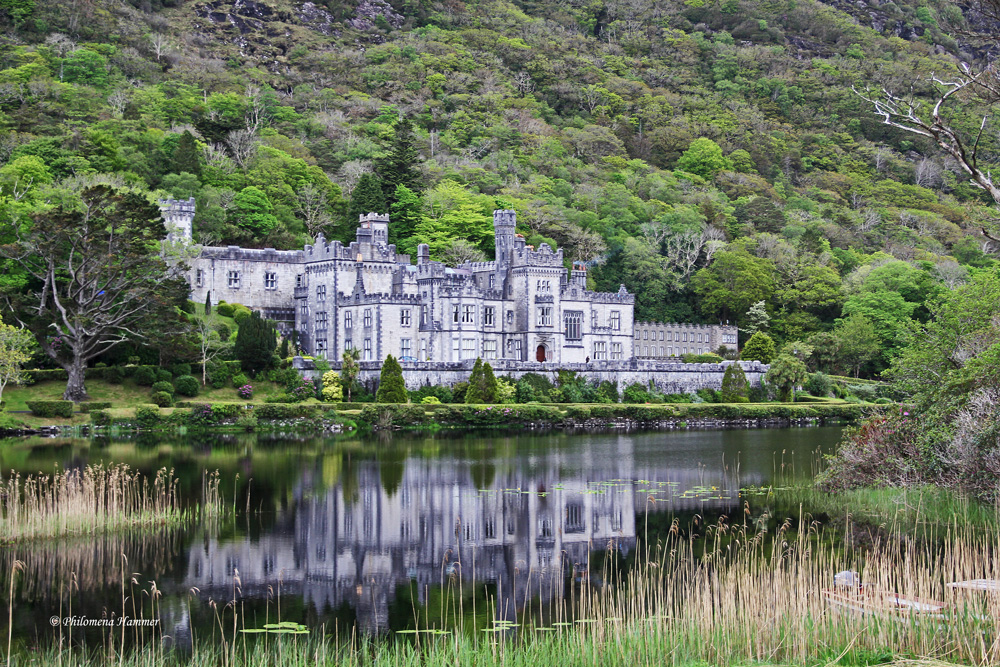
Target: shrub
{"x":391,"y":388}
{"x":239,"y":380}
{"x":443,"y":394}
{"x":760,"y":347}
{"x":482,"y":384}
{"x":144,"y":376}
{"x":578,"y":413}
{"x":186,"y":385}
{"x":256,"y":342}
{"x":866,"y":392}
{"x":247,"y":423}
{"x":180,"y":370}
{"x":147,"y":415}
{"x":51,"y":408}
{"x":735,"y":388}
{"x":91,"y":406}
{"x":114,"y":374}
{"x":635,"y":393}
{"x":164,"y":387}
{"x":163,"y":375}
{"x":162,"y":399}
{"x":240,"y":313}
{"x":283,"y":397}
{"x":332,"y":391}
{"x":225,"y":333}
{"x":430,"y":400}
{"x":305,"y":389}
{"x":224,"y":309}
{"x":273,"y":411}
{"x":707,"y":358}
{"x":100,"y":418}
{"x":709,"y":395}
{"x":201,"y":415}
{"x":246,"y":391}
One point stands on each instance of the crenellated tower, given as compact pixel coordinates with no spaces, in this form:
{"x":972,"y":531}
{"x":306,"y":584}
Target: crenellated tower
{"x":504,"y":223}
{"x":178,"y":218}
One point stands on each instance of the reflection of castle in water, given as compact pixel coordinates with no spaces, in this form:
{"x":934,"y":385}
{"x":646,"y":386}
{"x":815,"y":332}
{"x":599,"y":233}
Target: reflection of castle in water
{"x":525,"y":530}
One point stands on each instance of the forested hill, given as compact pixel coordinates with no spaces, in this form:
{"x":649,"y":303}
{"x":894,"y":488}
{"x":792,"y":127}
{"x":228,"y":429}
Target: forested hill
{"x":708,"y":154}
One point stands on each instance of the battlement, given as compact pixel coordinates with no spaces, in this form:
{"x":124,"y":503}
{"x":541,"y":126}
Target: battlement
{"x":178,"y":218}
{"x":504,"y":218}
{"x":178,"y":205}
{"x":373,"y":217}
{"x":681,"y":325}
{"x":238,"y":253}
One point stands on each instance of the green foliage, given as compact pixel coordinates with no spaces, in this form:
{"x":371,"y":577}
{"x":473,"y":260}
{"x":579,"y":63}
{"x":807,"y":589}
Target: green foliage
{"x":49,"y":409}
{"x":760,"y":347}
{"x":332,"y":390}
{"x":163,"y":386}
{"x":162,"y":399}
{"x":482,"y":384}
{"x":735,"y":387}
{"x":367,"y":197}
{"x":144,"y":376}
{"x":391,"y":388}
{"x":187,"y":385}
{"x":255,"y":344}
{"x":704,"y":158}
{"x":253,"y":211}
{"x":786,"y":373}
{"x":349,"y":370}
{"x":819,"y":384}
{"x":635,"y":393}
{"x":401,"y":165}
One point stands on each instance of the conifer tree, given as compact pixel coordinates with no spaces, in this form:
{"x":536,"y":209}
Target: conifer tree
{"x":366,"y":197}
{"x":208,"y":304}
{"x":760,"y":347}
{"x":399,"y":167}
{"x":406,"y":213}
{"x":255,"y":344}
{"x":283,"y":353}
{"x":735,"y":388}
{"x":185,"y":158}
{"x":391,"y":388}
{"x":482,"y":384}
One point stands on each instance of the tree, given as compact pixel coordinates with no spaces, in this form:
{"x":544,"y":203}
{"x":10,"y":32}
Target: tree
{"x":255,"y":344}
{"x":733,"y":282}
{"x":185,"y":158}
{"x":99,"y":278}
{"x":253,"y":211}
{"x":406,"y":214}
{"x":760,"y":347}
{"x":704,"y":158}
{"x":210,"y":343}
{"x":391,"y":388}
{"x":482,"y":384}
{"x":735,"y":388}
{"x":208,"y":303}
{"x":313,"y":207}
{"x":15,"y":351}
{"x":786,"y":373}
{"x":858,"y":342}
{"x":756,"y":319}
{"x":367,"y":197}
{"x":349,"y":369}
{"x":400,"y":166}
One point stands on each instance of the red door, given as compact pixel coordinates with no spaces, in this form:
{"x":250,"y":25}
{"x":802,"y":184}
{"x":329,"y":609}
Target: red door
{"x":540,"y":353}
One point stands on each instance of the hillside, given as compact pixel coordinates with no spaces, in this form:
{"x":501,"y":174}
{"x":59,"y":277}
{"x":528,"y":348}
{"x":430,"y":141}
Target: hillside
{"x":710,"y":155}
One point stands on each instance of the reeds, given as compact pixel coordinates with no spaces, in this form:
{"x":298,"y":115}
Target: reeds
{"x":96,"y":499}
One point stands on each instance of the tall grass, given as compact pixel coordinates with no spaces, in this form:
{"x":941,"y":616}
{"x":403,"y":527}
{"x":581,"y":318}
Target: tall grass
{"x":752,"y":596}
{"x":94,"y":500}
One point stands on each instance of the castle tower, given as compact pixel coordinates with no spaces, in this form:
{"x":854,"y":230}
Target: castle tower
{"x":374,"y":228}
{"x":504,"y":222}
{"x":178,"y":217}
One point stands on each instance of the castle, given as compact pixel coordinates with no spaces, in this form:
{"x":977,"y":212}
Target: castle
{"x":521,"y":309}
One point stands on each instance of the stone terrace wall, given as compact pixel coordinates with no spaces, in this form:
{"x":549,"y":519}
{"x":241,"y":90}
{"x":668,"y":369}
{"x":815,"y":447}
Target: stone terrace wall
{"x":669,"y":377}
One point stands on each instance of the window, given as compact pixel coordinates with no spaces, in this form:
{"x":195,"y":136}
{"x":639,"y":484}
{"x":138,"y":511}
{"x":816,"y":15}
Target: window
{"x":700,"y":339}
{"x":593,"y":321}
{"x":234,"y":280}
{"x":661,"y":335}
{"x":661,"y":350}
{"x":616,"y":350}
{"x":670,"y":351}
{"x":645,"y":351}
{"x":510,"y":317}
{"x":456,"y":349}
{"x":298,"y":280}
{"x":270,"y":280}
{"x":199,"y":277}
{"x":304,"y":309}
{"x":321,"y":346}
{"x":405,"y":347}
{"x":543,"y":286}
{"x":545,"y":316}
{"x":404,"y":317}
{"x":493,"y":281}
{"x":468,"y":314}
{"x":645,"y":335}
{"x":489,"y":315}
{"x":368,"y":318}
{"x":600,"y":350}
{"x":348,"y":344}
{"x":423,"y":315}
{"x":489,"y":349}
{"x":348,"y":320}
{"x":616,"y":320}
{"x":468,"y":348}
{"x":368,"y":349}
{"x":573,"y":325}
{"x":454,"y":314}
{"x":321,"y":292}
{"x":321,"y":320}
{"x":423,"y":349}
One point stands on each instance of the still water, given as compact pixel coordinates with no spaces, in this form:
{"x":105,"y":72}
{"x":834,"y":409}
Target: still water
{"x":348,"y":533}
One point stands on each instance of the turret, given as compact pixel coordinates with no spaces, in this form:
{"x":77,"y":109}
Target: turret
{"x":578,"y":276}
{"x":178,"y":217}
{"x":374,"y":228}
{"x":504,"y":222}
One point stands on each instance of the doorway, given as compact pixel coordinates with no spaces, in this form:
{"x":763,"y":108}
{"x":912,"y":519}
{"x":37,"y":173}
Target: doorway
{"x":540,"y":353}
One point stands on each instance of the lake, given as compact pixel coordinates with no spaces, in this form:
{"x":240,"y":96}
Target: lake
{"x":371,"y":533}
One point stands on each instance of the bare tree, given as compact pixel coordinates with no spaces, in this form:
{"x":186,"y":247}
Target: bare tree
{"x":216,"y":157}
{"x":313,"y":206}
{"x":462,"y":251}
{"x":242,"y":146}
{"x":951,"y":273}
{"x":117,"y":101}
{"x":870,"y":219}
{"x":210,"y":344}
{"x":160,"y":44}
{"x":927,"y":173}
{"x":256,"y":113}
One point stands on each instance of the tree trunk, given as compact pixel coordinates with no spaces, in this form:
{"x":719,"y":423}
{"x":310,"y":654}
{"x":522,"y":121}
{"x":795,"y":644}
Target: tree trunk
{"x":76,"y":391}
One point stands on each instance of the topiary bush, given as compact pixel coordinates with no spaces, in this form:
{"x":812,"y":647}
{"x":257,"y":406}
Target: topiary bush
{"x":180,"y":370}
{"x":147,"y":415}
{"x":239,"y":380}
{"x":91,"y":406}
{"x":819,"y":384}
{"x":163,"y":387}
{"x":186,"y":385}
{"x":114,"y":374}
{"x":162,"y":399}
{"x":100,"y":418}
{"x":144,"y":376}
{"x":224,"y":309}
{"x":163,"y":375}
{"x":51,"y":408}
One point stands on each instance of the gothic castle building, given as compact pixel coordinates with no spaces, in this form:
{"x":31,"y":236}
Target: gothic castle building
{"x":524,"y":306}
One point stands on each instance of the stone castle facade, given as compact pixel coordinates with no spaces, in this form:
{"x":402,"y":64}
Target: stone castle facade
{"x":524,"y":306}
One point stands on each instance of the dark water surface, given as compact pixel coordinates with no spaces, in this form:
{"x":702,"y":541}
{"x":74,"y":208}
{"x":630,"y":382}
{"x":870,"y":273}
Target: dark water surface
{"x":345,"y":532}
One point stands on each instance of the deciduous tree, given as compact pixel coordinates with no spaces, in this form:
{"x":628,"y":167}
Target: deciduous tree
{"x":15,"y":351}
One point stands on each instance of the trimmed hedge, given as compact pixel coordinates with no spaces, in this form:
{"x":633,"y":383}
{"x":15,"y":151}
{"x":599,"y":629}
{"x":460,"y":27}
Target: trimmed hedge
{"x":91,"y":406}
{"x":51,"y":408}
{"x":275,"y":411}
{"x":100,"y":418}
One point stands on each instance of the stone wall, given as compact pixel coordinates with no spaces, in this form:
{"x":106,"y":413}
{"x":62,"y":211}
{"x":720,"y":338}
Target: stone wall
{"x":668,"y":377}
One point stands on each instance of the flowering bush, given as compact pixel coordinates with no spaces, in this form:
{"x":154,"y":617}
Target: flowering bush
{"x":332,"y":391}
{"x":305,"y":389}
{"x":246,"y":391}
